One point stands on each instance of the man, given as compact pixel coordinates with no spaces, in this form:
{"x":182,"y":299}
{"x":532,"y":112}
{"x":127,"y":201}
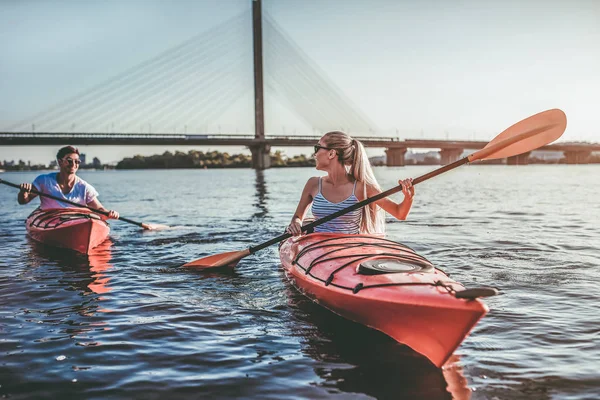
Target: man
{"x":64,"y":184}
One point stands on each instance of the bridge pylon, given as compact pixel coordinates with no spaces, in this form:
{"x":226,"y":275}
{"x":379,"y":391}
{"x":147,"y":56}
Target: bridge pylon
{"x":577,"y":157}
{"x":261,"y":156}
{"x":395,"y":156}
{"x":261,"y":159}
{"x":448,"y":156}
{"x":520,"y":159}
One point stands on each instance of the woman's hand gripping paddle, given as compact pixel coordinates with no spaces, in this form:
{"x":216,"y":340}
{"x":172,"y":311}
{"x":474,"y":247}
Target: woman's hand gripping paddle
{"x":526,"y":135}
{"x":140,"y":224}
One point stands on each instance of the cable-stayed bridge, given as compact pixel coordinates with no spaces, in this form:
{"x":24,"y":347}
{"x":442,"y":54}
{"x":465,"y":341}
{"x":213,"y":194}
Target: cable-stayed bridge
{"x":189,"y":87}
{"x":210,"y":83}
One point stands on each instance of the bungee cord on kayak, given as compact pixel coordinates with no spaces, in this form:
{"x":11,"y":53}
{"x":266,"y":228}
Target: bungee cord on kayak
{"x":375,"y":251}
{"x":385,"y":243}
{"x":55,"y":218}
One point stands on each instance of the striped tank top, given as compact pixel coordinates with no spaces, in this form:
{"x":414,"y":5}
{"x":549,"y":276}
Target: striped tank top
{"x":347,"y":223}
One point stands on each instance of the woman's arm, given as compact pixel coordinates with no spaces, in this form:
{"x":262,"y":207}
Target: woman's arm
{"x":399,"y":211}
{"x":305,"y":200}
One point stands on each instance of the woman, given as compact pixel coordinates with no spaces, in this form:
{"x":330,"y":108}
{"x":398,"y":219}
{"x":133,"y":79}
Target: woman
{"x":349,"y":180}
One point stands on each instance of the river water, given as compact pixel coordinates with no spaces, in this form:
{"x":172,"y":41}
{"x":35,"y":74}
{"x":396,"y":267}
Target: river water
{"x":130,"y":321}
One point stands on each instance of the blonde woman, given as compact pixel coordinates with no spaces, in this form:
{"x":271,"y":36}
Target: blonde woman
{"x":349,"y":180}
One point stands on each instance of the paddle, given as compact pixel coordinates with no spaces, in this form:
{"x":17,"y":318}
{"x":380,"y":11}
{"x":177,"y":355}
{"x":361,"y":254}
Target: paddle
{"x":526,"y":135}
{"x":145,"y":226}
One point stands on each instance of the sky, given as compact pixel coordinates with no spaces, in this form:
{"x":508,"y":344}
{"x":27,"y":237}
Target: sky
{"x":427,"y":69}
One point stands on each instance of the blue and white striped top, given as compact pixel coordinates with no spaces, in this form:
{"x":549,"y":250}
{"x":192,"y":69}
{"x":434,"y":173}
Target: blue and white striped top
{"x":347,"y":223}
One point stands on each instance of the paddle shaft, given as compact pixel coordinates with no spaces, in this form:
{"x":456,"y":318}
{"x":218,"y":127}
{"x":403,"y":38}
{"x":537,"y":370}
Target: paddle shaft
{"x":73,"y":203}
{"x":360,"y":204}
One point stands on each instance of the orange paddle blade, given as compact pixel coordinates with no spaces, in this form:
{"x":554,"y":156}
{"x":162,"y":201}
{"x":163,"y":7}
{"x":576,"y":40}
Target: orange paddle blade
{"x":529,"y":134}
{"x":229,"y":259}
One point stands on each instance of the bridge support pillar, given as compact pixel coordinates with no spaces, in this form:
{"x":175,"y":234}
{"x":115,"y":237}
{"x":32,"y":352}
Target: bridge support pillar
{"x":261,"y":157}
{"x":521,"y":159}
{"x":395,"y":156}
{"x":577,"y":157}
{"x":449,"y":156}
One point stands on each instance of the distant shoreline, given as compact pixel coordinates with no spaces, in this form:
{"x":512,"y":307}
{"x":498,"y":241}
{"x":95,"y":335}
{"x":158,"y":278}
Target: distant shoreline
{"x":218,"y":160}
{"x":279,"y":167}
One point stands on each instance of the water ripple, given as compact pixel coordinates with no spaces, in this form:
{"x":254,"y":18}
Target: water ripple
{"x":130,"y":321}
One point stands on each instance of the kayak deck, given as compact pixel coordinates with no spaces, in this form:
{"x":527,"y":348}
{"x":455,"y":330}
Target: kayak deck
{"x":77,"y":229}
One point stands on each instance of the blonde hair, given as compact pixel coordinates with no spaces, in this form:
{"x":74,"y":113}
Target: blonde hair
{"x":352,"y":154}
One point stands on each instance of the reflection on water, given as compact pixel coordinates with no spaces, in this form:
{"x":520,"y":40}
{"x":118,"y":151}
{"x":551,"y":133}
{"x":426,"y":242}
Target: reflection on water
{"x":261,"y":195}
{"x":84,"y":273}
{"x":456,"y":380}
{"x":97,"y":262}
{"x":99,"y":259}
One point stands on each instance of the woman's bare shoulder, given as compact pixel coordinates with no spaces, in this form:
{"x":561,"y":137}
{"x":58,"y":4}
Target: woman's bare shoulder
{"x":312,"y":184}
{"x":313,"y":180}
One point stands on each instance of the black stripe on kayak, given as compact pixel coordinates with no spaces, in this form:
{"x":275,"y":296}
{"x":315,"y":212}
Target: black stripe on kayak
{"x":65,"y":217}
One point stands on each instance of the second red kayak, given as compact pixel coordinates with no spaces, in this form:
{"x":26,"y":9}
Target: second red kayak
{"x":386,"y":286}
{"x":76,"y":229}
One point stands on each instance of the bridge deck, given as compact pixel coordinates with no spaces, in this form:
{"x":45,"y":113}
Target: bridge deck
{"x":130,"y":139}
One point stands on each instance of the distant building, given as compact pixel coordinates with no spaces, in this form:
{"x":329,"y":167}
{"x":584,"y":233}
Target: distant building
{"x":547,"y":155}
{"x":377,"y":160}
{"x":429,"y":157}
{"x":97,"y":163}
{"x":82,"y":158}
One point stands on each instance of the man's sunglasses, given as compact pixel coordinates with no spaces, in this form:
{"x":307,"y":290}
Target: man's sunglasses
{"x":71,"y":161}
{"x":317,"y":147}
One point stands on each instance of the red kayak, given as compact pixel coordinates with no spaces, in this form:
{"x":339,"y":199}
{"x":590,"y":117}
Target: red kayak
{"x":386,"y":286}
{"x":77,"y":229}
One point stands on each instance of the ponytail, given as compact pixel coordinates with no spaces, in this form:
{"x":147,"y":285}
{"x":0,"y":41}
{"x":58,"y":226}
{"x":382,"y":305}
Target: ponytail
{"x":352,"y":154}
{"x":373,"y":216}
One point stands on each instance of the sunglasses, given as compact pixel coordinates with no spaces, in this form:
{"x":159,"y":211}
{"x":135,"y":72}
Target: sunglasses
{"x":71,"y":161}
{"x":317,"y":147}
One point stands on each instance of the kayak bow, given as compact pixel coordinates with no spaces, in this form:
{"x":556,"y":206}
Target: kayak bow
{"x":76,"y":229}
{"x":386,"y":286}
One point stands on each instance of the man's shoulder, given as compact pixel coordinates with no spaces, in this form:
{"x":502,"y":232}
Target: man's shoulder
{"x":84,"y":185}
{"x":45,"y":177}
{"x":82,"y":182}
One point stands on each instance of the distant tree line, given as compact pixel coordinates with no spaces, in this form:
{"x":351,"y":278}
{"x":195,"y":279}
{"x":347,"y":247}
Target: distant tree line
{"x":21,"y":166}
{"x":216,"y":159}
{"x":211,"y":159}
{"x":28,"y":166}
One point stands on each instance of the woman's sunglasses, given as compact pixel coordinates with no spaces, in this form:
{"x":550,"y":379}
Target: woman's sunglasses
{"x":317,"y":147}
{"x":71,"y":161}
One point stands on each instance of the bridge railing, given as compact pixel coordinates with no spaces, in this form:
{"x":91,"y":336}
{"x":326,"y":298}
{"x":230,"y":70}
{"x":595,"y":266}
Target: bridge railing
{"x":77,"y":135}
{"x":182,"y":136}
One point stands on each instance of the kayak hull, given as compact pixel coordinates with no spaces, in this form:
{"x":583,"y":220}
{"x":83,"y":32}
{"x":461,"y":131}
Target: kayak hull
{"x":417,"y":308}
{"x":75,"y":229}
